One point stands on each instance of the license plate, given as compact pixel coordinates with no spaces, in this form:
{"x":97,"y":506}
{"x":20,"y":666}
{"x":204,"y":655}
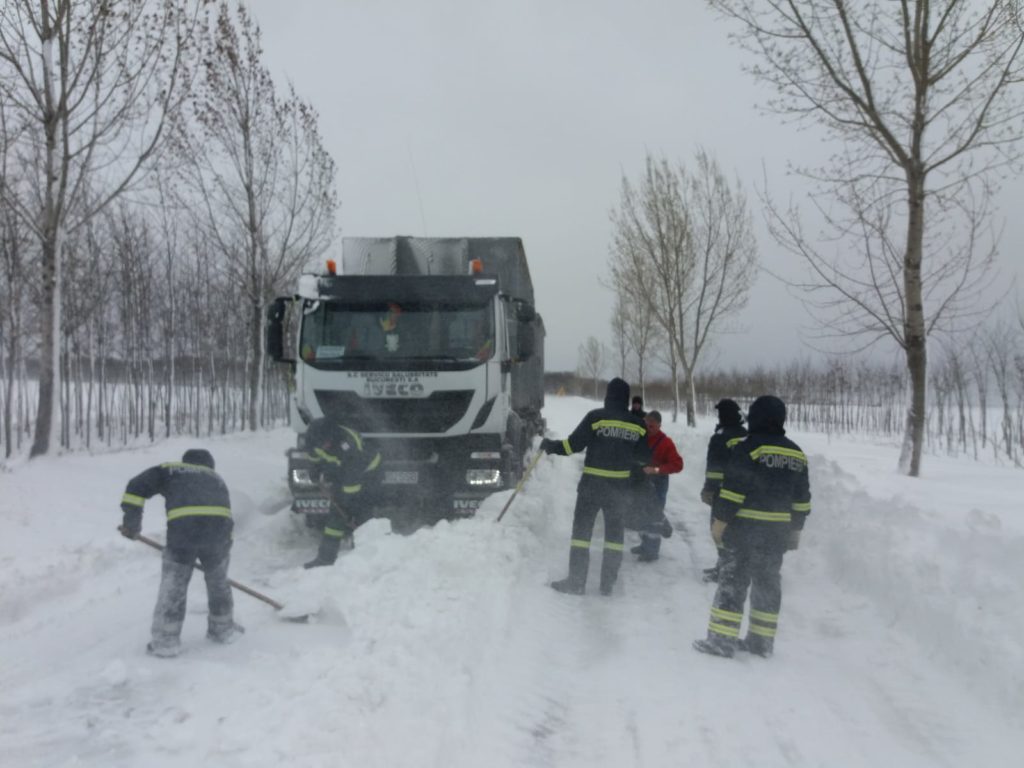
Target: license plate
{"x":397,"y":477}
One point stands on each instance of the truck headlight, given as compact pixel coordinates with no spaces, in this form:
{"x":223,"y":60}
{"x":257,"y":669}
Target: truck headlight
{"x":302,"y":478}
{"x":485,"y":478}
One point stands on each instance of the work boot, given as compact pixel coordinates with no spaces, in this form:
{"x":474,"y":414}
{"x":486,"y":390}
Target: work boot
{"x":710,"y":575}
{"x":650,"y":546}
{"x":326,"y":554}
{"x":223,"y":630}
{"x":638,"y":549}
{"x":163,"y":650}
{"x":568,"y":587}
{"x":715,"y":646}
{"x":757,"y":645}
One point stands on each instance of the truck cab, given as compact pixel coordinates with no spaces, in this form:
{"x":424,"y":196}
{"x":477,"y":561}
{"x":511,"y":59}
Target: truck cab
{"x":433,"y":358}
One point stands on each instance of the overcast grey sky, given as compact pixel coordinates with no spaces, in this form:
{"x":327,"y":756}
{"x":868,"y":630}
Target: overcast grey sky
{"x":488,"y":118}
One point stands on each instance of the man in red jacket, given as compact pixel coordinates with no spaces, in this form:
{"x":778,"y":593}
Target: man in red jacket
{"x":665,"y":461}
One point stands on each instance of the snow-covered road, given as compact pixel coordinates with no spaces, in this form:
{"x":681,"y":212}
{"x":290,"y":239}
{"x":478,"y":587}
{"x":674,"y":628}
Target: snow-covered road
{"x":899,"y":643}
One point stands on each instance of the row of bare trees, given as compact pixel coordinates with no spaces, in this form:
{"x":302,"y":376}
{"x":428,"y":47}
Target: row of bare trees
{"x":156,"y":190}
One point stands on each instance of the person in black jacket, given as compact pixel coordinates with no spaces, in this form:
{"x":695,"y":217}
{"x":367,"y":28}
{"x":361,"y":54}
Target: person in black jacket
{"x":199,"y":527}
{"x":345,"y":463}
{"x":615,"y":442}
{"x":759,"y":513}
{"x":729,"y":432}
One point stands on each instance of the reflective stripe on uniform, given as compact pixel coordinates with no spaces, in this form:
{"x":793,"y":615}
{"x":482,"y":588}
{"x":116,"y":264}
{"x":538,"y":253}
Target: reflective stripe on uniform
{"x":566,"y":447}
{"x":174,"y":514}
{"x":733,"y":440}
{"x":724,"y":629}
{"x":613,"y":546}
{"x":321,"y":455}
{"x":715,"y":475}
{"x":726,"y":623}
{"x":728,"y":495}
{"x":333,"y":533}
{"x":616,"y":474}
{"x":801,"y":506}
{"x":776,"y":450}
{"x":767,"y":517}
{"x":627,"y":425}
{"x":356,"y":437}
{"x":373,"y":464}
{"x":757,"y":629}
{"x":724,"y":615}
{"x":763,"y":617}
{"x":131,"y":498}
{"x":580,"y":543}
{"x":351,"y":488}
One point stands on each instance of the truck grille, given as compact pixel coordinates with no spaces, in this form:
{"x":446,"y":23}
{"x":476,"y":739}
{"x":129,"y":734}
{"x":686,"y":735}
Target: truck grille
{"x":436,"y":413}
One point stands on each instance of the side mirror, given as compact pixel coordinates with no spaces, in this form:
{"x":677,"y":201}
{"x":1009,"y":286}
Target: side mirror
{"x":276,"y":329}
{"x":525,"y":341}
{"x":525,"y":313}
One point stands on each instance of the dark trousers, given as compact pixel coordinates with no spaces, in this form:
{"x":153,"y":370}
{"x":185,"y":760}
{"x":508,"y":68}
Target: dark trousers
{"x":750,"y":560}
{"x":608,"y":497}
{"x":178,"y":561}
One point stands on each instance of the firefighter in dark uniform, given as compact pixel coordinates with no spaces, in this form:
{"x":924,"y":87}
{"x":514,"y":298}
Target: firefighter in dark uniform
{"x":759,"y":513}
{"x":199,"y":527}
{"x":728,"y":433}
{"x":615,"y":442}
{"x":345,"y":463}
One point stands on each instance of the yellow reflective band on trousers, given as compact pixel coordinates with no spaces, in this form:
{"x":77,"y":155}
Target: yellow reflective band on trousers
{"x":351,"y":488}
{"x":763,"y":624}
{"x":725,"y":623}
{"x":764,"y":618}
{"x":174,"y":514}
{"x":715,"y":475}
{"x":131,"y":498}
{"x":615,"y":474}
{"x":580,"y":543}
{"x":801,"y":506}
{"x":765,"y":517}
{"x":613,"y":546}
{"x":333,"y":533}
{"x":757,"y":629}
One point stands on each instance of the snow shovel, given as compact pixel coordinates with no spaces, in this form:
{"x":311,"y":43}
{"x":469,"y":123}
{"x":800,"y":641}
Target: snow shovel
{"x":519,"y":486}
{"x":299,"y":618}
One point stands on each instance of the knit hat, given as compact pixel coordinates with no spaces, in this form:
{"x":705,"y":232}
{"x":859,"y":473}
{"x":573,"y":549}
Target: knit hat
{"x":617,"y":395}
{"x":767,"y":414}
{"x":199,"y":456}
{"x":729,"y":412}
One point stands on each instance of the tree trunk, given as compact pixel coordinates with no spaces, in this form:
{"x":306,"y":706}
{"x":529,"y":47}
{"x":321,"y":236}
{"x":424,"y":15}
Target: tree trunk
{"x":47,"y":412}
{"x":914,"y":330}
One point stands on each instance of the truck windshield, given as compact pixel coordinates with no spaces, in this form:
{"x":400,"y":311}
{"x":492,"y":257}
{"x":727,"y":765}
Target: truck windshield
{"x":334,"y":332}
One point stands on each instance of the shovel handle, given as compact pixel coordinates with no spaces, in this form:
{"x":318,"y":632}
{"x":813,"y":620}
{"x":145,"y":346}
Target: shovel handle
{"x":519,"y":486}
{"x":240,"y":587}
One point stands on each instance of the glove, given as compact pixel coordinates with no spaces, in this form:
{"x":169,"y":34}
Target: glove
{"x":718,"y":531}
{"x":707,"y":496}
{"x":794,"y":540}
{"x":131,"y":525}
{"x":548,"y":446}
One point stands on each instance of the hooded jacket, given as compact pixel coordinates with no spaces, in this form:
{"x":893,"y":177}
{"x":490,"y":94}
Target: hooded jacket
{"x":614,"y":439}
{"x":765,"y":480}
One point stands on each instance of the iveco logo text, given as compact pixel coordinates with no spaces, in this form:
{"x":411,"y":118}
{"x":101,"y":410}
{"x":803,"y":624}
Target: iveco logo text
{"x":392,"y":389}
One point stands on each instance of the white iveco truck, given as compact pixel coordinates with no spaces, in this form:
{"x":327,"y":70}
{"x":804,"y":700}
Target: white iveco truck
{"x":433,"y":350}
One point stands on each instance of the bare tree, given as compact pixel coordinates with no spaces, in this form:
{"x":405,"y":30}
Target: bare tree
{"x":685,"y":240}
{"x":89,"y":84}
{"x":593,"y":359}
{"x":920,"y":95}
{"x":265,"y":181}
